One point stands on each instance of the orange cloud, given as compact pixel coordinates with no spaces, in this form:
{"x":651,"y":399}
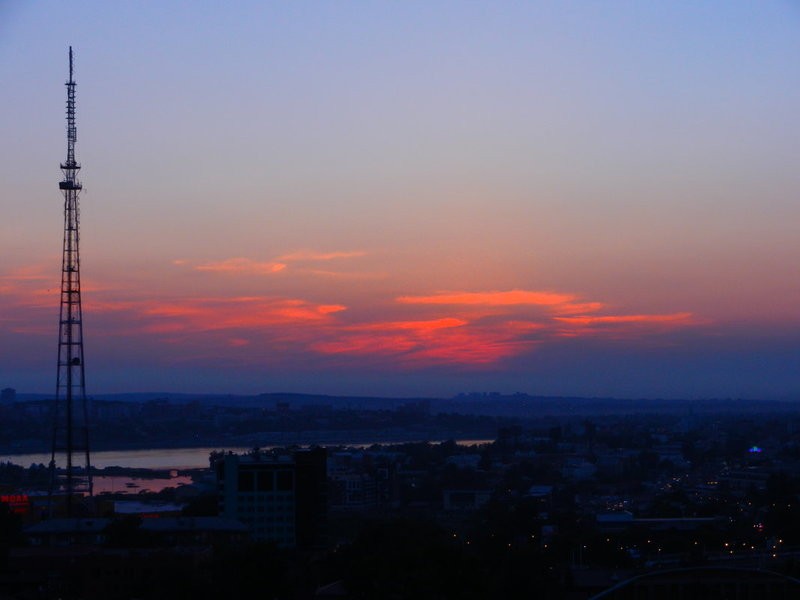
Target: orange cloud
{"x":412,"y":350}
{"x":246,"y":266}
{"x":242,"y":266}
{"x":469,"y":328}
{"x":190,"y":316}
{"x":476,"y":349}
{"x":572,"y":308}
{"x":623,"y":327}
{"x":509,"y":298}
{"x":237,"y":313}
{"x":327,"y":309}
{"x":445,"y":323}
{"x":29,"y":273}
{"x":675,"y":318}
{"x":389,"y":337}
{"x":488,"y":336}
{"x":463,"y":337}
{"x":20,"y":286}
{"x":366,"y":345}
{"x":553,"y":301}
{"x":439,"y":341}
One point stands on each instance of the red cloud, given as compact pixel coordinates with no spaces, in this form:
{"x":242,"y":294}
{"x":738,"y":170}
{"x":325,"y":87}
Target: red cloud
{"x":509,"y":298}
{"x":552,"y":301}
{"x":674,"y":318}
{"x":419,"y":326}
{"x":454,"y":328}
{"x":237,"y":313}
{"x":420,"y":343}
{"x":471,"y":338}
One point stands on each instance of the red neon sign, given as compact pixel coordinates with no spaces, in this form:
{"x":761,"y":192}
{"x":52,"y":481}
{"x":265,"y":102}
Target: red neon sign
{"x":18,"y":503}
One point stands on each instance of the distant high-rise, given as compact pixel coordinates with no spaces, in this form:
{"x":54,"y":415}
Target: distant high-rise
{"x":70,"y":413}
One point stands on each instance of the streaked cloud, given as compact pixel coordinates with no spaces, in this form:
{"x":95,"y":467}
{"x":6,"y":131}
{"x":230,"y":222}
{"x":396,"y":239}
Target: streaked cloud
{"x":509,"y":298}
{"x":207,"y":314}
{"x":435,"y":324}
{"x":28,"y":273}
{"x":684,"y":318}
{"x":247,"y":266}
{"x":415,"y":344}
{"x":571,"y":308}
{"x":519,"y":321}
{"x":413,"y":331}
{"x":554,"y":301}
{"x":310,"y":255}
{"x":349,"y":275}
{"x":242,"y":266}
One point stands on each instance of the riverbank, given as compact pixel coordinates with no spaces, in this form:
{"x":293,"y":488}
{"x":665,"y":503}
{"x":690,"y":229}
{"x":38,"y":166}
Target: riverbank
{"x":196,"y":457}
{"x":265,"y":439}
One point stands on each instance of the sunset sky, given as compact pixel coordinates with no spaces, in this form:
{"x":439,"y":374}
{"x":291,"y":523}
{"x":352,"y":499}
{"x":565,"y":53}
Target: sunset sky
{"x":408,"y":198}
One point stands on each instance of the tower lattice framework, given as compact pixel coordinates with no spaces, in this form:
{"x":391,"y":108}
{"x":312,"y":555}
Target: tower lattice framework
{"x":70,"y":412}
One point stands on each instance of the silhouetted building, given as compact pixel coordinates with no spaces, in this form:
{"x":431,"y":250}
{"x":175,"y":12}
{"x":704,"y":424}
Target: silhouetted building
{"x":161,"y":532}
{"x":354,"y":490}
{"x":465,"y":500}
{"x":96,"y":572}
{"x":68,"y":532}
{"x":281,"y":498}
{"x":705,"y":582}
{"x":183,"y":532}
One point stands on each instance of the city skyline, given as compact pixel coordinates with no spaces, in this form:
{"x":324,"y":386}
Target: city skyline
{"x":409,"y":200}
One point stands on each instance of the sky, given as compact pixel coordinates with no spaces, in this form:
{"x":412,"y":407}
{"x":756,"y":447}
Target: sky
{"x":408,"y":198}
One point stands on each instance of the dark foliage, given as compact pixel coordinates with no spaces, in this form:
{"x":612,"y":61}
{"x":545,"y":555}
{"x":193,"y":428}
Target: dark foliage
{"x":410,"y":559}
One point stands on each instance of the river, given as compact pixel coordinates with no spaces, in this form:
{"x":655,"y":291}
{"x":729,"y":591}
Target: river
{"x":164,"y":458}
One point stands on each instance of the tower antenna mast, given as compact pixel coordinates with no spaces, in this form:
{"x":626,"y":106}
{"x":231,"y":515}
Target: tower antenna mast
{"x":70,"y":412}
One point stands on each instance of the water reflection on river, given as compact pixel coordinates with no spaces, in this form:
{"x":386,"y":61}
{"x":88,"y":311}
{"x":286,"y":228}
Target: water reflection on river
{"x":164,"y":458}
{"x":121,"y":484}
{"x":159,"y":458}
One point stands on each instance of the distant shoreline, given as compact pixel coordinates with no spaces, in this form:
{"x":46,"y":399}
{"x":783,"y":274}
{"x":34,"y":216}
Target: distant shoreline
{"x":323,"y":438}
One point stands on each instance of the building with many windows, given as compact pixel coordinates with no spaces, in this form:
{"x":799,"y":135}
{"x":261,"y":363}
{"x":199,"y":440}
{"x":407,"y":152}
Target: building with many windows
{"x":280,"y":496}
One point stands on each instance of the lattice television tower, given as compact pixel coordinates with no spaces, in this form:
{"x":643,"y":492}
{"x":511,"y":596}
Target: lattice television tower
{"x":70,"y":412}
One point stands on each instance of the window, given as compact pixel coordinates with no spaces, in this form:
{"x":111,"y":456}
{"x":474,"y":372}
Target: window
{"x":265,"y":481}
{"x":246,"y":481}
{"x":285,"y":481}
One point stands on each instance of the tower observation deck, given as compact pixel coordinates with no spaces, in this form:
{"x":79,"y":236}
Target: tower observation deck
{"x":70,"y":442}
